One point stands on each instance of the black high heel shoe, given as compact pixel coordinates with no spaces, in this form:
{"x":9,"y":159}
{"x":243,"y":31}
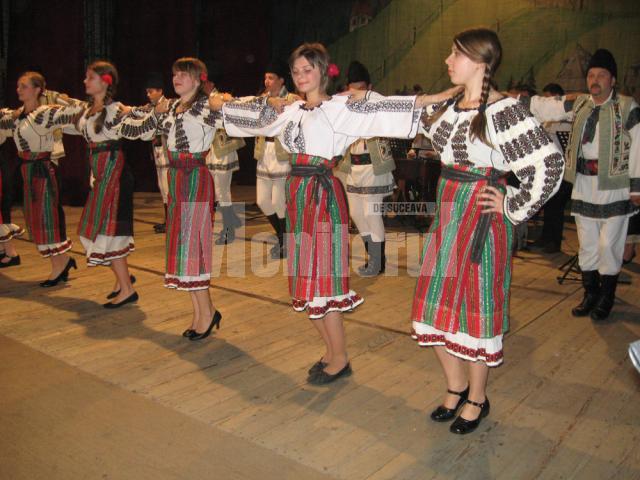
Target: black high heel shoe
{"x":215,"y":322}
{"x":64,"y":275}
{"x":444,"y":414}
{"x":189,"y":332}
{"x":115,"y":293}
{"x":462,"y":426}
{"x":131,"y":298}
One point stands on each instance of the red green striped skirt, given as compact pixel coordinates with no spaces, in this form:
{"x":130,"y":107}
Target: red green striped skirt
{"x":42,"y":209}
{"x":190,"y":212}
{"x":459,"y":304}
{"x":318,"y":242}
{"x":106,"y":223}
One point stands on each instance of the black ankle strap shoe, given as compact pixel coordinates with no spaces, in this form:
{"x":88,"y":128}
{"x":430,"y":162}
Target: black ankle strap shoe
{"x":444,"y":414}
{"x":462,"y":426}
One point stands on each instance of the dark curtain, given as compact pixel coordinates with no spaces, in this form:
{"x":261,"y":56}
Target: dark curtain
{"x":138,"y":36}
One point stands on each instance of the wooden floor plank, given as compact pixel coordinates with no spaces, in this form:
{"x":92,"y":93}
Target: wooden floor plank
{"x":563,"y":405}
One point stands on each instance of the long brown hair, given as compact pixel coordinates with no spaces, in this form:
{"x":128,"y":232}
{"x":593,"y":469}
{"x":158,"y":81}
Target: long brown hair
{"x":102,"y":67}
{"x":197,"y":69}
{"x":481,"y":45}
{"x":317,"y":56}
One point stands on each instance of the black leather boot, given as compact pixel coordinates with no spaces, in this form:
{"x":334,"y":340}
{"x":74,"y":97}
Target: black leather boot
{"x":606,"y":299}
{"x":375,"y":265}
{"x":591,"y":284}
{"x":228,"y":233}
{"x":366,"y":239}
{"x":279,"y":226}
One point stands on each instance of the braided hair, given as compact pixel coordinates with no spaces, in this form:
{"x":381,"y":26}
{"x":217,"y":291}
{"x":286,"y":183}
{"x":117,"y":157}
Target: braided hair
{"x":481,"y":45}
{"x":102,"y":67}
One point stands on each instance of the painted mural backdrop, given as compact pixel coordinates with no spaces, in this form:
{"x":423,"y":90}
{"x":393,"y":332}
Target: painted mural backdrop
{"x":406,"y":41}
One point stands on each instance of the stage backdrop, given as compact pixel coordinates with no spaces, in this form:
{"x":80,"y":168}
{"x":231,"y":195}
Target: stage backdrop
{"x":232,"y":36}
{"x":406,"y":41}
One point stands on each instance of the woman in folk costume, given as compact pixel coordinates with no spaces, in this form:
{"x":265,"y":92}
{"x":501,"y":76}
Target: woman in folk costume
{"x":189,"y":126}
{"x":8,"y":254}
{"x":462,"y":295}
{"x":316,"y":132}
{"x":106,"y":223}
{"x":273,"y":165}
{"x":32,"y":127}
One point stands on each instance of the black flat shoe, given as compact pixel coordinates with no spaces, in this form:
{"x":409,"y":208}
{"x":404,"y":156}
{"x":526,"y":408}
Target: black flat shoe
{"x":317,"y":367}
{"x":215,"y":322}
{"x":322,"y":377}
{"x":462,"y":426}
{"x":444,"y":414}
{"x":63,"y":277}
{"x":115,"y":293}
{"x":131,"y":298}
{"x":11,"y":263}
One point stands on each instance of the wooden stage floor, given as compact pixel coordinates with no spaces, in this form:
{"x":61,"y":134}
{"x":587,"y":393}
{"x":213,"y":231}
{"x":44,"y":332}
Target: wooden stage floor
{"x":565,"y":404}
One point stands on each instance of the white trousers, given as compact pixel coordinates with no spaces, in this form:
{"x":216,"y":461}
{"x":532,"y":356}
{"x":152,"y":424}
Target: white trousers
{"x":362,"y":212}
{"x":601,"y":243}
{"x":222,"y":186}
{"x":270,"y":195}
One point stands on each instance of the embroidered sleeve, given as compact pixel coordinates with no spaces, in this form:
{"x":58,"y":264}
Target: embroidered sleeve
{"x":140,"y":123}
{"x":253,"y":117}
{"x":633,"y":127}
{"x":7,"y":124}
{"x":378,"y":116}
{"x":47,"y":118}
{"x":204,"y":115}
{"x":531,"y":155}
{"x":549,"y":109}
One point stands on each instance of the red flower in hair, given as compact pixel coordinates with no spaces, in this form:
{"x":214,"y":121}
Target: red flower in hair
{"x":203,"y":77}
{"x":107,"y":78}
{"x":333,"y":71}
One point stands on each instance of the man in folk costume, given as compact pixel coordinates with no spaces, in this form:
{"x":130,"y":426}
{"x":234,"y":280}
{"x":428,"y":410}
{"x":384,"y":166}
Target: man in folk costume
{"x":273,"y":162}
{"x":222,"y":160}
{"x":603,"y":162}
{"x":155,"y":93}
{"x":368,"y":165}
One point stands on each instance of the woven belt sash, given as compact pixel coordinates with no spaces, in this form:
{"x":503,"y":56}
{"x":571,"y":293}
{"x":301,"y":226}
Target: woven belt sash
{"x":587,"y":167}
{"x":362,"y":159}
{"x":484,"y":224}
{"x":97,"y":147}
{"x":28,"y":156}
{"x":321,"y":177}
{"x":187,"y":160}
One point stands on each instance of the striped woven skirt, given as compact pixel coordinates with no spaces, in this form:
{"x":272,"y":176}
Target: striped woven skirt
{"x":190,"y":212}
{"x":318,"y":241}
{"x":460,"y":304}
{"x":106,"y":223}
{"x":42,"y":209}
{"x":8,"y":230}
